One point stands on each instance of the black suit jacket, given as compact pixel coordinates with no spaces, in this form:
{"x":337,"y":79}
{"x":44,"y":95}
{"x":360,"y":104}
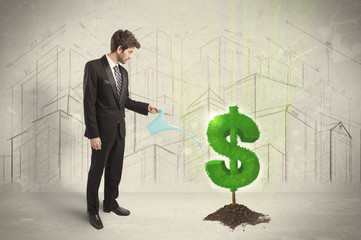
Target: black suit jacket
{"x":103,"y":113}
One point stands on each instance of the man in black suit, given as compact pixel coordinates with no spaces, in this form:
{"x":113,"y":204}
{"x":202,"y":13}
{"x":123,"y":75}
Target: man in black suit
{"x":106,"y":96}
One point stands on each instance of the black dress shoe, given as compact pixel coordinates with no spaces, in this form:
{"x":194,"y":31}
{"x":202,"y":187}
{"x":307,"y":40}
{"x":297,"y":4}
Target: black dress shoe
{"x":119,"y":211}
{"x":95,"y":221}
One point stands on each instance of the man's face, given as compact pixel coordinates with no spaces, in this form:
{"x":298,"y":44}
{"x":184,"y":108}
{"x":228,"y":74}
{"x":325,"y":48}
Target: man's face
{"x":124,"y":56}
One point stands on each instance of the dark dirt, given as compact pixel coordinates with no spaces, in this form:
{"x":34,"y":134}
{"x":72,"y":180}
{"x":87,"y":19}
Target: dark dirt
{"x":235,"y":215}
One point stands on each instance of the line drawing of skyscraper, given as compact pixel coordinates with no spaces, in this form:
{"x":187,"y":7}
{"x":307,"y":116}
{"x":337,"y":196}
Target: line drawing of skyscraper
{"x":47,"y":141}
{"x":309,"y":134}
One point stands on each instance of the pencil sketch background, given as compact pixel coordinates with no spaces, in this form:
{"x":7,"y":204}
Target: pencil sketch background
{"x":292,"y":66}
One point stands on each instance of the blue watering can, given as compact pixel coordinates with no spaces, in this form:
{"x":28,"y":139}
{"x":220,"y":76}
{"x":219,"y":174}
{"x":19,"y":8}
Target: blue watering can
{"x":159,"y":125}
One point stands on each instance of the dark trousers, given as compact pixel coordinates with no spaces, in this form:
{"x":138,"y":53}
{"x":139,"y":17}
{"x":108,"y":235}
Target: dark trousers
{"x":109,"y":157}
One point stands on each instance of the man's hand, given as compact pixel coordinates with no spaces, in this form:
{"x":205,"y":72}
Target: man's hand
{"x":153,"y":109}
{"x":96,"y":143}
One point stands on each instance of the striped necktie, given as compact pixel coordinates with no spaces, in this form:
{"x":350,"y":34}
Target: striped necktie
{"x":118,"y":78}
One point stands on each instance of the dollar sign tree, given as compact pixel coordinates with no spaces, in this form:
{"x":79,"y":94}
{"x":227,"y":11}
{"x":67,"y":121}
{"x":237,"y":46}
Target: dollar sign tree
{"x":232,"y":124}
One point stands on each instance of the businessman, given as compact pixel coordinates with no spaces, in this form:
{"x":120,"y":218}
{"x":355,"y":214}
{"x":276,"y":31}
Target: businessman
{"x":106,"y":96}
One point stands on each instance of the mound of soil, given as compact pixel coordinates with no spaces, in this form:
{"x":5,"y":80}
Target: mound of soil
{"x":235,"y":215}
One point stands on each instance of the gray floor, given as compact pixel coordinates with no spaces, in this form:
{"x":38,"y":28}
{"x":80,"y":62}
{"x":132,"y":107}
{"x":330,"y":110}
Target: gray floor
{"x":179,"y":216}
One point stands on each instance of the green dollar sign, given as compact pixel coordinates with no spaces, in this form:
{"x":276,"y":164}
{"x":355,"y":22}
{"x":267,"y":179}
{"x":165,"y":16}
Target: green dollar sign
{"x":232,"y":124}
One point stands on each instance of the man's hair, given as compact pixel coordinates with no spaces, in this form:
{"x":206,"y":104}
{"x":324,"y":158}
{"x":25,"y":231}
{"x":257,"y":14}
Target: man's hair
{"x":125,"y":39}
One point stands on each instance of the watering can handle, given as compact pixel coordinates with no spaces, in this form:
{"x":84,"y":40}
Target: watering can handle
{"x":160,"y":110}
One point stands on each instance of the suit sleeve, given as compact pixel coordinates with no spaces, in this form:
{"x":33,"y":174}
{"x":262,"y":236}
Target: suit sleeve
{"x":90,"y":95}
{"x":139,"y":107}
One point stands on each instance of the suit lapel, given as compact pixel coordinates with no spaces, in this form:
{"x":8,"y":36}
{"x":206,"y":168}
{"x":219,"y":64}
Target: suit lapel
{"x":110,"y":76}
{"x":124,"y":82}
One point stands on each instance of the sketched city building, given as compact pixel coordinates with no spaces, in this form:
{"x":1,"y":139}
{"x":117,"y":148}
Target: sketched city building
{"x":308,"y":132}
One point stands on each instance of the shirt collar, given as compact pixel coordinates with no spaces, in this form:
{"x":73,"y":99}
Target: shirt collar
{"x":111,"y":63}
